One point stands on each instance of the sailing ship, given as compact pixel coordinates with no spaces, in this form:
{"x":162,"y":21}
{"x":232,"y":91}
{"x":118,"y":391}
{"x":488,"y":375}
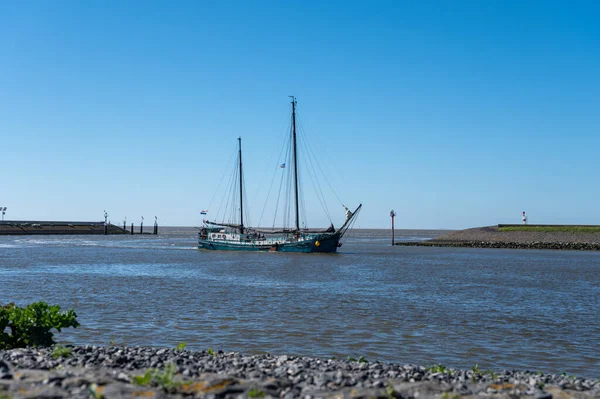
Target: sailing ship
{"x":238,"y":236}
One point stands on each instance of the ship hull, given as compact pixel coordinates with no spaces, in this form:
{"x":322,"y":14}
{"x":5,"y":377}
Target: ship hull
{"x":323,"y":243}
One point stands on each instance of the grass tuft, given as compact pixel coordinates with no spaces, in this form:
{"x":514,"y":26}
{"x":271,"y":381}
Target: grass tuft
{"x":438,"y":368}
{"x":553,"y":229}
{"x":163,"y":379}
{"x":256,"y":393}
{"x":60,"y":351}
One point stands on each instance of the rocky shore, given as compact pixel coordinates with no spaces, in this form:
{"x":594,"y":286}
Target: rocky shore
{"x":117,"y":372}
{"x":493,"y":237}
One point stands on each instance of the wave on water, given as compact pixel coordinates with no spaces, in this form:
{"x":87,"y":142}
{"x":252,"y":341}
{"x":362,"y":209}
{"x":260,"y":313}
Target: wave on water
{"x":101,"y":243}
{"x":415,"y":238}
{"x":386,"y":239}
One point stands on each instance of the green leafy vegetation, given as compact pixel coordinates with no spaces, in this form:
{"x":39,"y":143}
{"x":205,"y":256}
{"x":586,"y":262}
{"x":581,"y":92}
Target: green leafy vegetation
{"x":361,"y":359}
{"x":491,"y":374}
{"x":60,"y":351}
{"x":256,"y":393}
{"x":477,"y":372}
{"x":32,"y":325}
{"x":553,"y":229}
{"x":95,"y":391}
{"x":437,"y":368}
{"x":389,"y":390}
{"x":181,"y":346}
{"x":211,"y":352}
{"x":163,"y":379}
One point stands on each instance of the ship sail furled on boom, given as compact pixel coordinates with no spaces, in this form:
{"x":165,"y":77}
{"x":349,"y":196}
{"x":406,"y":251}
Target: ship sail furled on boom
{"x":232,"y":233}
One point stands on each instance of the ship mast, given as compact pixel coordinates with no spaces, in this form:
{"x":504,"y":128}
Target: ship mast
{"x":241,"y":189}
{"x":295,"y":161}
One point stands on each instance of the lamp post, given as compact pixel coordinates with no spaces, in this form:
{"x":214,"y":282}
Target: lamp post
{"x":392,"y":214}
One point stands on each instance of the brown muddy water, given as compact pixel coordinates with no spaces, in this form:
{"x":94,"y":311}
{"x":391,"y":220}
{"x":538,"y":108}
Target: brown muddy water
{"x":501,"y":309}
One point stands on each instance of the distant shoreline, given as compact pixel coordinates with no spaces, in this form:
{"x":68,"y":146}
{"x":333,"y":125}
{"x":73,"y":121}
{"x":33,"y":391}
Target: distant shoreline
{"x":563,"y":237}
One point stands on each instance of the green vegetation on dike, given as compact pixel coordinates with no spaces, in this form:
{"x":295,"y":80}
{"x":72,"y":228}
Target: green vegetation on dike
{"x":553,"y":229}
{"x":21,"y":327}
{"x":163,"y":379}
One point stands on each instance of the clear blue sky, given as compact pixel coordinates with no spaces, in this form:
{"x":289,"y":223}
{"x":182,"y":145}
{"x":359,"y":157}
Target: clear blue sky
{"x":454,"y":113}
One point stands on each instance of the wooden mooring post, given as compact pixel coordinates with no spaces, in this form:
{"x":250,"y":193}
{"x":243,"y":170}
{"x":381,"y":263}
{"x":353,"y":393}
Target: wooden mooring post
{"x":155,"y":225}
{"x":105,"y":223}
{"x":392,"y":214}
{"x":142,"y":226}
{"x":131,"y":228}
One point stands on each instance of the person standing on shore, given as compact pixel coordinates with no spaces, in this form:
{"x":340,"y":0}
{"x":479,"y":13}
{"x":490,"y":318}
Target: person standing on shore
{"x":524,"y":218}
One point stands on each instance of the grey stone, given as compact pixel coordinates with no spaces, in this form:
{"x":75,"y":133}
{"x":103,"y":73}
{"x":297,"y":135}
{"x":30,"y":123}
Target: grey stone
{"x":44,"y":392}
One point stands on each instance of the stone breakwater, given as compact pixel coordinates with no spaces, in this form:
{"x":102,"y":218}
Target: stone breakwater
{"x":492,"y":237}
{"x":110,"y":372}
{"x":29,"y":227}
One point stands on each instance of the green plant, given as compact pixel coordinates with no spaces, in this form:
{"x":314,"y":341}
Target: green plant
{"x":256,"y":393}
{"x":95,"y":392}
{"x":389,"y":390}
{"x":475,"y":368}
{"x":437,"y":368}
{"x":32,"y":325}
{"x":181,"y":346}
{"x":362,"y":360}
{"x":60,"y":351}
{"x":163,"y":379}
{"x":492,"y":374}
{"x":351,"y":359}
{"x":211,"y":352}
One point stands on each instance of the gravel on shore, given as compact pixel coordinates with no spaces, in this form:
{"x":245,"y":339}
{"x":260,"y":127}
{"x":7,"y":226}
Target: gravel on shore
{"x":111,"y":372}
{"x":492,"y":237}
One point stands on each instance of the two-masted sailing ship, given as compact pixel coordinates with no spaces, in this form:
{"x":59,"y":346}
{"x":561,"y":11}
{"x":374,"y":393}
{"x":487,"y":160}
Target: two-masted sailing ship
{"x":237,"y":236}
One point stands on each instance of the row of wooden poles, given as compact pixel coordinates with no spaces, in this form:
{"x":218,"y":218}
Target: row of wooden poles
{"x":155,"y":231}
